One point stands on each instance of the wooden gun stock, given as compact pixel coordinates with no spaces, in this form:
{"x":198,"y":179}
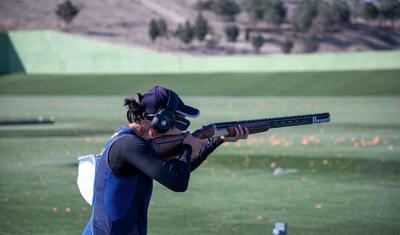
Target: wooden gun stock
{"x":169,"y":146}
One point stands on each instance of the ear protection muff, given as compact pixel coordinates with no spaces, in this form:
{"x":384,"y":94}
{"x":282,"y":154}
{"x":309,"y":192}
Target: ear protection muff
{"x":129,"y":116}
{"x":164,"y":119}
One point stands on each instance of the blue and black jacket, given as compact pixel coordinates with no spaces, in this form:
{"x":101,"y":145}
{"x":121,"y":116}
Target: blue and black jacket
{"x":124,"y":181}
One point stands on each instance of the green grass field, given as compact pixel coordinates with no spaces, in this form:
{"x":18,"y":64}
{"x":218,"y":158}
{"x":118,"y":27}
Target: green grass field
{"x":330,"y":83}
{"x":348,"y":179}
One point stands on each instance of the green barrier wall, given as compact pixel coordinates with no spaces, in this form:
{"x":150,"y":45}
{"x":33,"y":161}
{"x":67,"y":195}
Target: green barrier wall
{"x":60,"y":53}
{"x":9,"y":59}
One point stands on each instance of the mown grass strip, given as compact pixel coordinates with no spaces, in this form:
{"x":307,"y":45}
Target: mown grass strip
{"x":355,"y":83}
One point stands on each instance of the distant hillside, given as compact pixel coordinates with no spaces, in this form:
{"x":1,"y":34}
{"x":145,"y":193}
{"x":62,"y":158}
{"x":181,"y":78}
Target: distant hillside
{"x":49,"y":52}
{"x":127,"y":22}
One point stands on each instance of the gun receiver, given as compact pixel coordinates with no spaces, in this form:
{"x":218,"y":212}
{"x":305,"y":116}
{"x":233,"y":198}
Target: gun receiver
{"x":169,"y":146}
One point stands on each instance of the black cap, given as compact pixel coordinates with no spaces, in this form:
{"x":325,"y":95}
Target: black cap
{"x":160,"y":97}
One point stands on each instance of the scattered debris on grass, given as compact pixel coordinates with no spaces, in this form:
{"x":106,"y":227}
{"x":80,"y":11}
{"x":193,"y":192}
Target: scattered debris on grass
{"x":281,"y":171}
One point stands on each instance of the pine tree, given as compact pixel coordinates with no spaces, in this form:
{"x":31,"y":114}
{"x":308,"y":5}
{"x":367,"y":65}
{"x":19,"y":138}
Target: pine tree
{"x":186,"y":34}
{"x":201,"y":27}
{"x":154,"y":31}
{"x":162,"y":27}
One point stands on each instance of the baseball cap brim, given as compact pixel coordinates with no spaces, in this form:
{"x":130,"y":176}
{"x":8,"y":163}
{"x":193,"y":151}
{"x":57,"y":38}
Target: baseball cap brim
{"x":187,"y":110}
{"x":159,"y":97}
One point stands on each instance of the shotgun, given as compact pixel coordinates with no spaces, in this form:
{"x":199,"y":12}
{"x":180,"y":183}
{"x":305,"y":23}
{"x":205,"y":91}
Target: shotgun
{"x":169,"y":145}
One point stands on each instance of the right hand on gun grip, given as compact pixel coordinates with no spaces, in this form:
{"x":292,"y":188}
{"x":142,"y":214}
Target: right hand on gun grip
{"x":196,"y":144}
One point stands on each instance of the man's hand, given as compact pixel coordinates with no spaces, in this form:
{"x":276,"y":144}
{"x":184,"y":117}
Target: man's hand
{"x":196,"y":144}
{"x":240,"y":133}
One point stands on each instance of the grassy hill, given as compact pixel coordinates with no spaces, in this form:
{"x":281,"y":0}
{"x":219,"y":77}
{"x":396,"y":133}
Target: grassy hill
{"x":127,"y":23}
{"x":62,"y":53}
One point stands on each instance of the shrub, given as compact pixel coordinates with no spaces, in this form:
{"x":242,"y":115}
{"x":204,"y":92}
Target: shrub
{"x":287,"y":45}
{"x":232,"y":32}
{"x":255,"y":8}
{"x":275,"y":12}
{"x":67,"y":11}
{"x":340,"y":12}
{"x":390,"y":9}
{"x":204,"y":5}
{"x":369,"y":11}
{"x":257,"y":42}
{"x":226,"y":8}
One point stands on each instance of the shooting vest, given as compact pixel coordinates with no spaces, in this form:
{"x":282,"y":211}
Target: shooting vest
{"x":119,"y":203}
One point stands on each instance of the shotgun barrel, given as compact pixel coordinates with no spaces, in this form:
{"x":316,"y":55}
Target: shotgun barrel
{"x":170,"y":145}
{"x":261,"y":125}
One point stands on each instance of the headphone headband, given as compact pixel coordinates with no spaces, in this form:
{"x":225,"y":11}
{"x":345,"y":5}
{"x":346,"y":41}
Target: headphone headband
{"x":160,"y":106}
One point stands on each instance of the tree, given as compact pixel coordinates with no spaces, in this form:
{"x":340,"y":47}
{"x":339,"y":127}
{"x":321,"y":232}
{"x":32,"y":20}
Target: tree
{"x":162,"y":27}
{"x":204,"y":5}
{"x":304,"y":14}
{"x":324,"y":18}
{"x":67,"y":11}
{"x":178,"y":30}
{"x":232,"y":32}
{"x":276,"y":12}
{"x":154,"y":31}
{"x":201,"y":27}
{"x":390,"y":9}
{"x":340,"y":12}
{"x":255,"y":8}
{"x":158,"y":28}
{"x":287,"y":45}
{"x":369,"y":11}
{"x":186,"y":33}
{"x":332,"y":13}
{"x":257,"y":42}
{"x":226,"y":8}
